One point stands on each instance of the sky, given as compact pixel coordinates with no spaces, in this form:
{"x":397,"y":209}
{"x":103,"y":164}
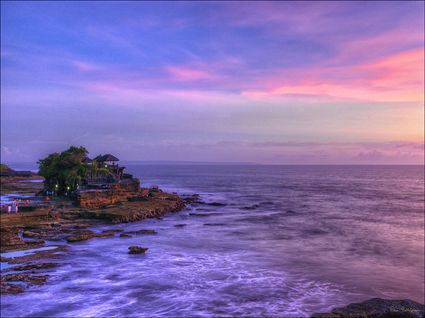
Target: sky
{"x":266,"y":82}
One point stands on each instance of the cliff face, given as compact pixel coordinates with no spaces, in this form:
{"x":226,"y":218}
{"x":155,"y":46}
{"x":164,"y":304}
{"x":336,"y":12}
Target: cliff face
{"x":123,"y":191}
{"x":155,"y":205}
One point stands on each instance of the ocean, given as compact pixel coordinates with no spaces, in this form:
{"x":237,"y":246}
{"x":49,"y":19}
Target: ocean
{"x":284,"y":241}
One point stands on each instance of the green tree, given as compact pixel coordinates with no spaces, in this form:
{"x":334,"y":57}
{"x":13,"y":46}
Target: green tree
{"x":64,"y":172}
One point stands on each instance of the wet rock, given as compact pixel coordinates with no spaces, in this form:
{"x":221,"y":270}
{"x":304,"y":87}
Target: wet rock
{"x":39,"y":255}
{"x":112,"y":231}
{"x":142,"y":231}
{"x":31,"y":267}
{"x":377,"y":308}
{"x":6,"y":288}
{"x":30,"y":234}
{"x":107,"y":234}
{"x":192,"y":199}
{"x":81,"y":226}
{"x":10,"y":239}
{"x":4,"y":259}
{"x":216,"y":204}
{"x":199,"y":214}
{"x":137,"y":250}
{"x":34,"y":243}
{"x":180,"y":225}
{"x":81,"y":236}
{"x":24,"y":277}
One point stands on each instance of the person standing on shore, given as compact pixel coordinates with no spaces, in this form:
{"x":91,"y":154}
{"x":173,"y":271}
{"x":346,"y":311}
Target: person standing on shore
{"x":14,"y":207}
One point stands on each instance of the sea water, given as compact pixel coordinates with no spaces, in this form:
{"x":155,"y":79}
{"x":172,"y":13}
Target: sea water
{"x":287,"y":241}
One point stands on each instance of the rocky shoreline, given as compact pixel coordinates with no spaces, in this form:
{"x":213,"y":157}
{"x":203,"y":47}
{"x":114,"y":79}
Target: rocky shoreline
{"x":63,"y":223}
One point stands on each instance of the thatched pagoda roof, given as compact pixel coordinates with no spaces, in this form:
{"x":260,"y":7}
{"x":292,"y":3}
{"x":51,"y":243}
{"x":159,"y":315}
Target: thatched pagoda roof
{"x":87,"y":160}
{"x":107,"y":157}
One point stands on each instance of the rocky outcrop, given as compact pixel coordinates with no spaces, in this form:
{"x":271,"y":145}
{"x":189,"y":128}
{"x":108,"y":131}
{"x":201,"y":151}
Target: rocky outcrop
{"x":377,"y":308}
{"x":10,"y":240}
{"x":137,"y":250}
{"x":7,"y":288}
{"x":84,"y":235}
{"x":156,"y":206}
{"x":120,"y":192}
{"x":8,"y":283}
{"x":24,"y":277}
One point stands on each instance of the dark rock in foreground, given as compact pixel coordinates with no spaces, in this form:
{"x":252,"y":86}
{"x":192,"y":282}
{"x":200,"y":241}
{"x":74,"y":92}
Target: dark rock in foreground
{"x":142,"y":231}
{"x":216,"y":204}
{"x":377,"y":308}
{"x":137,"y":250}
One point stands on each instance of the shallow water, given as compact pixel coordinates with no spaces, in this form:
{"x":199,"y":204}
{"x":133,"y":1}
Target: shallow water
{"x":289,"y":242}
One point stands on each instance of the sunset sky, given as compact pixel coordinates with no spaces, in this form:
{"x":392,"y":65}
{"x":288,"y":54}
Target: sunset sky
{"x":281,"y":83}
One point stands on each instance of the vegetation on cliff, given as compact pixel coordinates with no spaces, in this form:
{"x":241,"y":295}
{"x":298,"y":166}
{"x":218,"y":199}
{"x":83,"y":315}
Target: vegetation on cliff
{"x":63,"y":172}
{"x":4,"y":166}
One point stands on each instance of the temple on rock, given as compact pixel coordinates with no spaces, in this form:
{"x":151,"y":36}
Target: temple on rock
{"x":104,"y":171}
{"x":106,"y":183}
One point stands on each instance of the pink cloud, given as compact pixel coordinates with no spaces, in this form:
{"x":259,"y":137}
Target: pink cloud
{"x":186,"y":74}
{"x":396,"y":78}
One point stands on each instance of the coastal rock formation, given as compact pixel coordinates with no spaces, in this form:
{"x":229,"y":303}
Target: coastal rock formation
{"x":62,"y":220}
{"x":137,"y":250}
{"x":120,"y":192}
{"x":377,"y":308}
{"x":159,"y":204}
